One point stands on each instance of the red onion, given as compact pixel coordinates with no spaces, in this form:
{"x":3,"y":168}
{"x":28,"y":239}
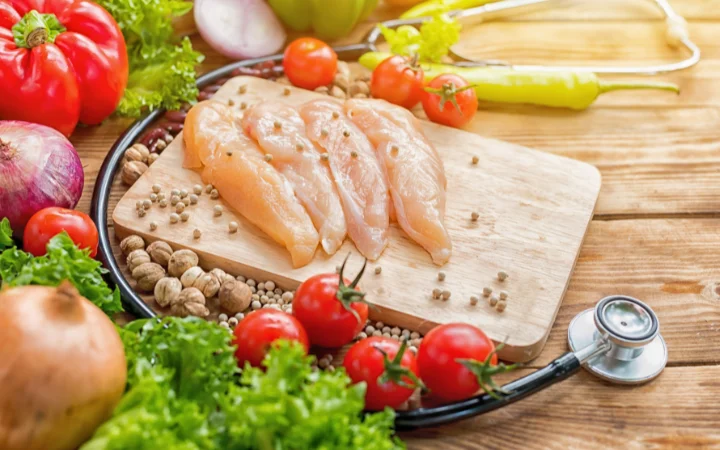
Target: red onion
{"x":39,"y":168}
{"x":239,"y":29}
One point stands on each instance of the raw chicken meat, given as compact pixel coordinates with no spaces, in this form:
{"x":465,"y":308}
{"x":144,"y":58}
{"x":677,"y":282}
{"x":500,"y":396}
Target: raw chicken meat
{"x":280,"y":131}
{"x":357,"y":173}
{"x":236,"y":167}
{"x":413,"y":169}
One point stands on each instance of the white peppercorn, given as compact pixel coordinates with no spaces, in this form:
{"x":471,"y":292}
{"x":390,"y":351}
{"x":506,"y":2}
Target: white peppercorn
{"x":222,"y":317}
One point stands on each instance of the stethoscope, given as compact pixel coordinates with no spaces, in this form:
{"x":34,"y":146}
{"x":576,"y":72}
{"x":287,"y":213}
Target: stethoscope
{"x":618,"y":340}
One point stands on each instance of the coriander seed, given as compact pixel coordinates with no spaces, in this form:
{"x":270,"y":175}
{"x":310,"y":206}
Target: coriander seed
{"x":268,"y":157}
{"x":503,"y":295}
{"x":502,"y":275}
{"x":184,"y":216}
{"x":441,"y":276}
{"x":193,"y":199}
{"x":475,"y":159}
{"x":183,"y":193}
{"x":233,"y":227}
{"x":180,"y":207}
{"x":161,"y":196}
{"x":208,"y":188}
{"x":163,"y":203}
{"x":156,"y":188}
{"x":153,"y":198}
{"x":500,"y":307}
{"x":474,"y":216}
{"x":174,"y":218}
{"x":153,"y":226}
{"x":474,"y":300}
{"x":175,"y":192}
{"x":146,"y":204}
{"x":445,"y":295}
{"x":138,"y":205}
{"x":436,"y":293}
{"x":174,"y":200}
{"x":487,"y":291}
{"x":222,"y":317}
{"x":197,"y":189}
{"x":217,"y":210}
{"x":493,"y":300}
{"x":197,"y":233}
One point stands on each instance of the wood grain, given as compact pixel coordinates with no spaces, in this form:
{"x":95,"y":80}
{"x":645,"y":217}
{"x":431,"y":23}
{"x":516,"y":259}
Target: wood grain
{"x":535,"y":209}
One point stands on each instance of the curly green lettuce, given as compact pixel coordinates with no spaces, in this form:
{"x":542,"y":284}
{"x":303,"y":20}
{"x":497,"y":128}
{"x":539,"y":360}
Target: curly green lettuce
{"x":430,"y":44}
{"x":6,"y":240}
{"x":63,"y":261}
{"x":162,"y":68}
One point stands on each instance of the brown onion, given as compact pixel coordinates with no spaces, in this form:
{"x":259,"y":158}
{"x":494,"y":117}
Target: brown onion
{"x":62,"y":368}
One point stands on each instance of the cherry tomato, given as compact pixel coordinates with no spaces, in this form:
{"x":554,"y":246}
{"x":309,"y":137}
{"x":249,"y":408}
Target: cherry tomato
{"x":310,"y":63}
{"x":395,"y":81}
{"x":450,"y":100}
{"x":254,"y":334}
{"x":330,"y":322}
{"x":365,"y":362}
{"x":438,"y":356}
{"x":48,"y":222}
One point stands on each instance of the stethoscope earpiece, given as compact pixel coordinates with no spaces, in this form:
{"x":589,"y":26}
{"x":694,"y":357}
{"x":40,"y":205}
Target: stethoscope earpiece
{"x":619,"y":341}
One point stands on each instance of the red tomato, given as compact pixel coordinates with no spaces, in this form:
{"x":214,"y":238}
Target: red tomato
{"x":450,"y":100}
{"x":438,"y":356}
{"x":395,"y":81}
{"x":365,"y":362}
{"x":259,"y":329}
{"x":48,"y":222}
{"x":330,"y":321}
{"x":309,"y":63}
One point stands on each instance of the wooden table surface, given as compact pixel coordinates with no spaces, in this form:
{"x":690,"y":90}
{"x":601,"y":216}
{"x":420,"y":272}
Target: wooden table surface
{"x":655,"y":234}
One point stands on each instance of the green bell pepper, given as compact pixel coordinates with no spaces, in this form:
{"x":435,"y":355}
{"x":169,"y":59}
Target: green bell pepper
{"x":327,"y":21}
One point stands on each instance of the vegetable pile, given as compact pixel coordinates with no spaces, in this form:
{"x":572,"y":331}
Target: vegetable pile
{"x":184,"y":392}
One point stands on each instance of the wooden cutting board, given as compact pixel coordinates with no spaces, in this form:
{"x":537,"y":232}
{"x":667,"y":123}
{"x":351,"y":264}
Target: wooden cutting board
{"x":534,"y":210}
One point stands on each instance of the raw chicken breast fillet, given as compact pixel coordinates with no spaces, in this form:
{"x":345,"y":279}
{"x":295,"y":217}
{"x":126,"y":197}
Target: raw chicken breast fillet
{"x":357,"y":173}
{"x":236,"y":167}
{"x":413,"y":169}
{"x":280,"y":131}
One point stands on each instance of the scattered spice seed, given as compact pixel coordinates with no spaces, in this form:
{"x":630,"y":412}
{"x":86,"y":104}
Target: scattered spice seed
{"x":180,"y":207}
{"x":414,"y":335}
{"x":335,"y":114}
{"x":487,"y":291}
{"x":500,"y":307}
{"x":153,"y":226}
{"x":146,"y":204}
{"x":243,"y":105}
{"x":161,"y":196}
{"x":324,"y":132}
{"x":141,"y":213}
{"x":214,"y":194}
{"x":174,"y":218}
{"x":174,"y":200}
{"x":242,"y":89}
{"x":175,"y":192}
{"x":346,"y":133}
{"x":194,"y":199}
{"x":183,"y":193}
{"x":436,"y":293}
{"x":218,"y":210}
{"x":394,"y":150}
{"x":474,"y":216}
{"x":185,"y":216}
{"x":156,"y":188}
{"x":286,"y":91}
{"x":229,"y":152}
{"x":208,"y":188}
{"x":277,"y":125}
{"x":299,"y":146}
{"x":474,"y":300}
{"x":233,"y":227}
{"x":231,"y":102}
{"x":503,"y":295}
{"x":153,"y":198}
{"x":445,"y":295}
{"x":354,"y":154}
{"x":197,"y":233}
{"x":378,"y":270}
{"x":502,"y":275}
{"x":268,"y":157}
{"x":197,"y":189}
{"x":138,"y":205}
{"x":475,"y":159}
{"x":222,"y":317}
{"x":163,"y":203}
{"x":324,"y":156}
{"x":441,"y":276}
{"x":493,"y":300}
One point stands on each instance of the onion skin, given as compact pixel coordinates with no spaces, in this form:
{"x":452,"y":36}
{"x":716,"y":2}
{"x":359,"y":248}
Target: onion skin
{"x":39,"y":168}
{"x":63,"y":368}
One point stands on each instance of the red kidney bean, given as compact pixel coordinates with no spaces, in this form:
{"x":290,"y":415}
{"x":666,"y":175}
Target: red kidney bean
{"x":153,"y":135}
{"x":247,"y":71}
{"x":213,"y":88}
{"x":174,"y":128}
{"x":221,"y":81}
{"x":204,"y":96}
{"x":175,"y":116}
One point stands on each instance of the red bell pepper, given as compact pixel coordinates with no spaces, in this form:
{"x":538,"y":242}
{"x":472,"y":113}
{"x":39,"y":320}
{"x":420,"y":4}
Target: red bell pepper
{"x":61,"y":61}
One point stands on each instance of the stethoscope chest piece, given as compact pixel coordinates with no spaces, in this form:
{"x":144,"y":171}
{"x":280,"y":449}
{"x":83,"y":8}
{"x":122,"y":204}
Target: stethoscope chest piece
{"x":625,"y":332}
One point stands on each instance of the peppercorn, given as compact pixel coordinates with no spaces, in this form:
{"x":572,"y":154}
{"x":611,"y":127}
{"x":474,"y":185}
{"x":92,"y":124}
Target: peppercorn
{"x":153,"y":226}
{"x":194,"y":199}
{"x":208,"y":188}
{"x":502,"y":275}
{"x":147,"y":204}
{"x":500,"y":307}
{"x":174,"y":200}
{"x":474,"y":216}
{"x":493,"y":300}
{"x":163,"y":203}
{"x":445,"y":295}
{"x":473,"y":300}
{"x":214,"y":194}
{"x":174,"y":218}
{"x":153,"y":198}
{"x":197,"y":189}
{"x":346,"y":133}
{"x":156,"y":188}
{"x":183,"y":193}
{"x":441,"y":276}
{"x":378,"y":270}
{"x":180,"y":207}
{"x":217,"y":210}
{"x":175,"y":192}
{"x":197,"y":233}
{"x":475,"y":159}
{"x":354,"y":154}
{"x":184,"y":216}
{"x":487,"y":291}
{"x":233,"y":227}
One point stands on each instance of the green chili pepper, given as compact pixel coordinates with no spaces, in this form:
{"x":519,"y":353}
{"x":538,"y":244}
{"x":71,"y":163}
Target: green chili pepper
{"x":574,"y":90}
{"x":432,"y":7}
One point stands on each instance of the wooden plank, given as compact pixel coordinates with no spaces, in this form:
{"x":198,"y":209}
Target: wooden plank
{"x":672,"y":265}
{"x":677,"y":410}
{"x":535,"y":210}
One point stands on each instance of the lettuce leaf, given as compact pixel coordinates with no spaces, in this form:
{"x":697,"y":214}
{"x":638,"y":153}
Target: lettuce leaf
{"x":431,"y":43}
{"x":6,"y":240}
{"x":63,"y":261}
{"x":162,"y":67}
